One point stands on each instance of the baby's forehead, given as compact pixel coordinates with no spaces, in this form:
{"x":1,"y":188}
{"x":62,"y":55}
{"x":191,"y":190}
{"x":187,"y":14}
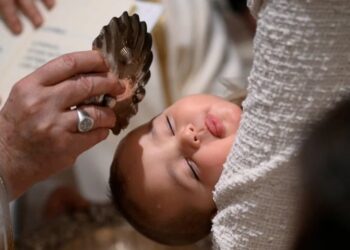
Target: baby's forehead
{"x":129,"y":149}
{"x":134,"y":135}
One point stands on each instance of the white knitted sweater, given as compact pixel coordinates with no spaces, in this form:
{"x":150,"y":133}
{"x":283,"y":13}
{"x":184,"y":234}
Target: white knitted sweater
{"x":301,"y":68}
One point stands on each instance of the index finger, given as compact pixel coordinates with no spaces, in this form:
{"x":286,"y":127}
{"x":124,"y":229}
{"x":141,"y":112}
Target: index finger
{"x":9,"y":12}
{"x":68,"y":65}
{"x":31,"y":11}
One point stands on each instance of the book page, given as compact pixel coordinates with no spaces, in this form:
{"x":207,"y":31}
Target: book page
{"x":69,"y":26}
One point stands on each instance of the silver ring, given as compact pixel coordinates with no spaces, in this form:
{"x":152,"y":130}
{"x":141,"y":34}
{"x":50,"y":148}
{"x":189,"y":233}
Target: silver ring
{"x":85,"y":122}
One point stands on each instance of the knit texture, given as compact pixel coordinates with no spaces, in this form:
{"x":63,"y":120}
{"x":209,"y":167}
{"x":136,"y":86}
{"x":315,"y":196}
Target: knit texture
{"x":301,"y":69}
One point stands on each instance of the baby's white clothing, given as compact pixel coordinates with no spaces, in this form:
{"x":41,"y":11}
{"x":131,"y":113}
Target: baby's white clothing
{"x":301,"y":68}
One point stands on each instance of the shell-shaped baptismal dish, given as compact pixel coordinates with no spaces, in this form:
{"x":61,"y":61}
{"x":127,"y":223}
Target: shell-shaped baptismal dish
{"x":126,"y":45}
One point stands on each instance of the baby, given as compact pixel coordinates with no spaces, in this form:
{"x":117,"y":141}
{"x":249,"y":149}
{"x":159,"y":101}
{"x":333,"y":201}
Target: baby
{"x":163,"y":173}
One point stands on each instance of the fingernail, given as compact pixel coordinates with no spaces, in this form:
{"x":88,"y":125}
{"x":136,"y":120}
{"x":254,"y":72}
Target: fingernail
{"x":112,"y":76}
{"x":17,"y":28}
{"x":49,"y":3}
{"x":38,"y":21}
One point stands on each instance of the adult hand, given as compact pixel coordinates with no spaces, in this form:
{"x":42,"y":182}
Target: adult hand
{"x":38,"y":129}
{"x":9,"y":9}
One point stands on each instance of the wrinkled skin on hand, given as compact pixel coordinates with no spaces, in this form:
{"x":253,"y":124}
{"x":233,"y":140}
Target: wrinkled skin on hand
{"x":9,"y":11}
{"x":38,"y":129}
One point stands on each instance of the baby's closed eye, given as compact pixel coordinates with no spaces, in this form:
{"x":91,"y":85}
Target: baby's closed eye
{"x":194,"y":169}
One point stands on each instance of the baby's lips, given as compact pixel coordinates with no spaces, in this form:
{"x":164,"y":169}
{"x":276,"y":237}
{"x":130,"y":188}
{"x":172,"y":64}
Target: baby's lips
{"x":215,"y":126}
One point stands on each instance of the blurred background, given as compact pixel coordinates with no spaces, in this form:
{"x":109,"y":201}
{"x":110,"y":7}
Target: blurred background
{"x":200,"y":46}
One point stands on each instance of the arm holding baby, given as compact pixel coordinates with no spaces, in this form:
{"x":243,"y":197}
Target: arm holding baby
{"x":297,"y":74}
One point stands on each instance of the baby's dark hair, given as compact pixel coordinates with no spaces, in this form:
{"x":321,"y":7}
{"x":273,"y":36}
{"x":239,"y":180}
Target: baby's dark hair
{"x":189,"y":227}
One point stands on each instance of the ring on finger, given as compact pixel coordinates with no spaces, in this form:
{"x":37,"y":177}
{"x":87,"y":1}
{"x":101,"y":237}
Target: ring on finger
{"x":85,"y":122}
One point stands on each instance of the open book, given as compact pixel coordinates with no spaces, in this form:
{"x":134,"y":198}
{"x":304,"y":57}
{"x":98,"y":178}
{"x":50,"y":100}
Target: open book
{"x":69,"y":26}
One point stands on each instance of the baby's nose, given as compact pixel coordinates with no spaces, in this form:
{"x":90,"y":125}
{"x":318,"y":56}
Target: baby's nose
{"x":189,"y":140}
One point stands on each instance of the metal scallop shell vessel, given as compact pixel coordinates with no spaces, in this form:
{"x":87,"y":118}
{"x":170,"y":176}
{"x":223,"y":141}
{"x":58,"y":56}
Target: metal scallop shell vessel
{"x":126,"y":45}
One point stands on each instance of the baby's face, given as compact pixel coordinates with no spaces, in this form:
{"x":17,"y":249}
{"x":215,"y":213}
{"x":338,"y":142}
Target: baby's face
{"x":176,"y":159}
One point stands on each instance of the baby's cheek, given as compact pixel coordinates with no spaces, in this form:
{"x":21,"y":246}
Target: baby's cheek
{"x":211,"y":177}
{"x":213,"y":159}
{"x":210,"y":171}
